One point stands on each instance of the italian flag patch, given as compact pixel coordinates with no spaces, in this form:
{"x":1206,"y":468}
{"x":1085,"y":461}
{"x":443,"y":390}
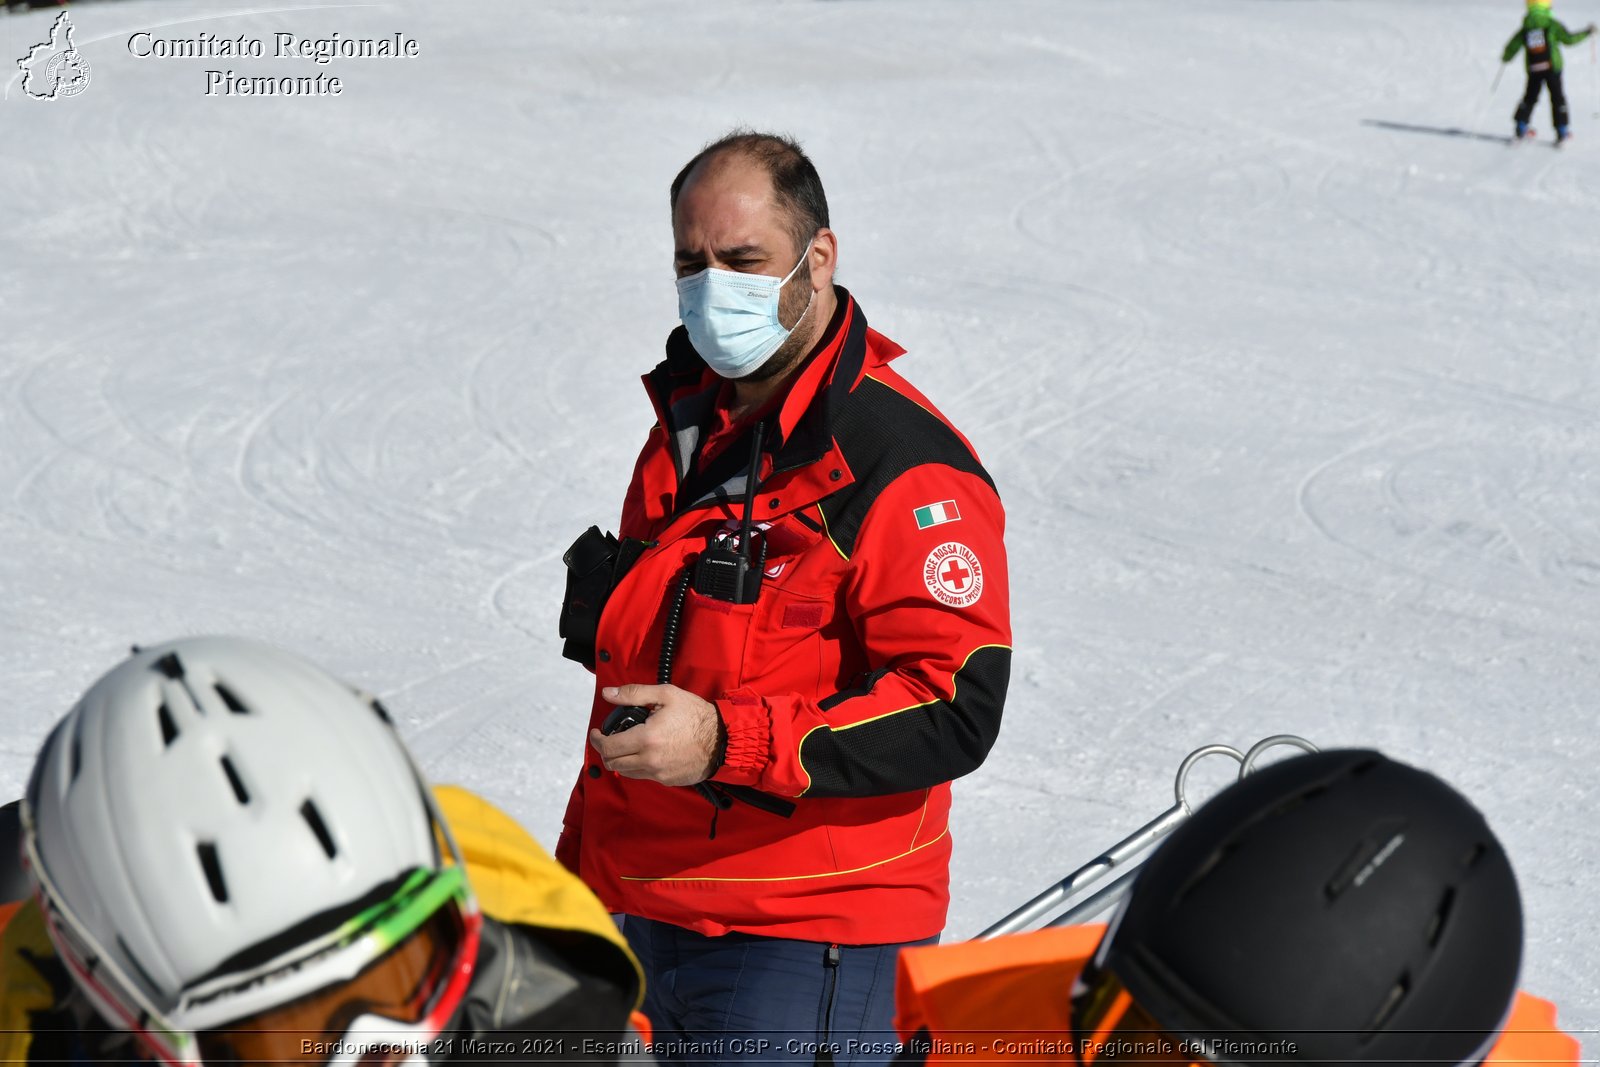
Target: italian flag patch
{"x":935,"y":514}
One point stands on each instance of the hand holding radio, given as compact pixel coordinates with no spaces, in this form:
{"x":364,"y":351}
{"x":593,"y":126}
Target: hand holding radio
{"x":624,"y":717}
{"x":658,"y":732}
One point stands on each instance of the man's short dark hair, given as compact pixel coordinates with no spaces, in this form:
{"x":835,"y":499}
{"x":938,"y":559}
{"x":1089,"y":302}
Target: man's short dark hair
{"x":795,"y":184}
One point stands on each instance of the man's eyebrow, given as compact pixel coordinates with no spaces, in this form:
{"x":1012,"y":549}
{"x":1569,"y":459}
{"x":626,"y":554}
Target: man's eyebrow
{"x":736,"y":252}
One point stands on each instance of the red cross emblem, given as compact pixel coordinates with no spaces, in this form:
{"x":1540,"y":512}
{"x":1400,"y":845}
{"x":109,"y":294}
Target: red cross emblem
{"x":953,"y":575}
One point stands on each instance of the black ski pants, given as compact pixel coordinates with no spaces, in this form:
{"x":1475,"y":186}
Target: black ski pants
{"x":1558,"y":96}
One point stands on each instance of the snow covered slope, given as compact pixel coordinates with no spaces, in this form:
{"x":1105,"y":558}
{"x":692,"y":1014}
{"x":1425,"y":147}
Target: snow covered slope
{"x":1285,"y":366}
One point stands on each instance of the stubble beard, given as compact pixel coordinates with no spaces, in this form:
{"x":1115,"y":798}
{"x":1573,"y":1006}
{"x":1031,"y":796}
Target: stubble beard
{"x":795,"y":301}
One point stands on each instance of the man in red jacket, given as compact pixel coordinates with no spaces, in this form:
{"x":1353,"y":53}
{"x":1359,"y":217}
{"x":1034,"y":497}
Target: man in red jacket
{"x":809,"y":604}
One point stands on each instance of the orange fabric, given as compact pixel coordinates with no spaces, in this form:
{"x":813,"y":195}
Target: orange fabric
{"x":1531,"y":1036}
{"x":641,"y":1023}
{"x":998,"y":1000}
{"x":8,"y":910}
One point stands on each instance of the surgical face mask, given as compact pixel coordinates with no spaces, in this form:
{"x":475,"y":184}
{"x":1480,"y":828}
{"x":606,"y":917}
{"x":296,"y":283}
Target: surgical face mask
{"x":732,"y":318}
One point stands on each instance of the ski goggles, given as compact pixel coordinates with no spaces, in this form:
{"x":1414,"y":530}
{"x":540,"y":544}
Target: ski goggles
{"x":392,"y":1009}
{"x":1110,"y":1028}
{"x":376,"y":989}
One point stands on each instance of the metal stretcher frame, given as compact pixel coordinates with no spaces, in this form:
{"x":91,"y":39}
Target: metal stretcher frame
{"x":1079,"y":897}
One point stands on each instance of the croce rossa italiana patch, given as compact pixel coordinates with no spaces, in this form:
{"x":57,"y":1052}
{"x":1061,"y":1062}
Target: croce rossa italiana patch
{"x":953,"y":574}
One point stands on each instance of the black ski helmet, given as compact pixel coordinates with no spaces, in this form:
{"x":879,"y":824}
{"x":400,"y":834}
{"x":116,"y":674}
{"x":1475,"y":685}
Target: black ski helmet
{"x":1334,"y":907}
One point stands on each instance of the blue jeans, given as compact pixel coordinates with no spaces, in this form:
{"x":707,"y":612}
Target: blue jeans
{"x":747,"y":999}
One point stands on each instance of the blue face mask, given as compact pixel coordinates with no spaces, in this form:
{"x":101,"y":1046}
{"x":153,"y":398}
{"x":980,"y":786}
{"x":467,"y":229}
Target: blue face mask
{"x":732,"y":318}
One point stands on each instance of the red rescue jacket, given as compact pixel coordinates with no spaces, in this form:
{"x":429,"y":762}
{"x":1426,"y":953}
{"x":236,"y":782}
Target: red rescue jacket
{"x":1007,"y":1000}
{"x":869,"y":673}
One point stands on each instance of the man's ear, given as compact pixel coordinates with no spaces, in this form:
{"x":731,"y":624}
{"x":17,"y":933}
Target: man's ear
{"x":824,"y":258}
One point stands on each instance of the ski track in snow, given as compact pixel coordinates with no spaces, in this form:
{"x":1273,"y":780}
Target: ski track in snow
{"x":1294,"y":412}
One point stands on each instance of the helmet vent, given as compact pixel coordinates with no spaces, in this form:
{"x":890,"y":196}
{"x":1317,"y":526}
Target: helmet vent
{"x":1470,"y":860}
{"x":1441,"y":915}
{"x":209,"y":863}
{"x":1381,"y":842}
{"x":383,"y":712}
{"x":76,"y":756}
{"x":170,"y":665}
{"x":1391,"y":1004}
{"x":313,"y":818}
{"x":239,"y":791}
{"x":1212,"y":862}
{"x":235,"y":705}
{"x":169,"y":729}
{"x":1310,"y":794}
{"x":1289,"y":804}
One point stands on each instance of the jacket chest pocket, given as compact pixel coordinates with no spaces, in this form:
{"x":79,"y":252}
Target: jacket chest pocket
{"x":776,"y":642}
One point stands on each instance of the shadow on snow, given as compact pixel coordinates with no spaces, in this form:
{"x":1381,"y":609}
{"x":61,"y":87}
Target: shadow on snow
{"x":1437,"y":131}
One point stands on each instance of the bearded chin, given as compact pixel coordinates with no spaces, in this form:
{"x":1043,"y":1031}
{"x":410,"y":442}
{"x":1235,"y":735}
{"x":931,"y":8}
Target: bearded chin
{"x":790,"y":352}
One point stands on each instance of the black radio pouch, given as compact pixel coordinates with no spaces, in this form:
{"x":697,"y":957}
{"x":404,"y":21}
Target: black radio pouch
{"x":595,"y":563}
{"x":723,"y":573}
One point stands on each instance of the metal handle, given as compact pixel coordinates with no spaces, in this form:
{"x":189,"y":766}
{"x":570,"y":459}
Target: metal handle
{"x":1067,"y":899}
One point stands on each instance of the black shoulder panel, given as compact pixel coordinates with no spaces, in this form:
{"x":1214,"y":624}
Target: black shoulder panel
{"x":883,"y":434}
{"x":918,"y":747}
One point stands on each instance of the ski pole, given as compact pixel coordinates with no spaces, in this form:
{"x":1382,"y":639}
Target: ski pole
{"x":1497,"y":74}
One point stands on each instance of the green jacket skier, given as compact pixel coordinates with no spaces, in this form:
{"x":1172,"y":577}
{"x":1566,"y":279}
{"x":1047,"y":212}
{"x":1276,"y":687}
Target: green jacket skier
{"x":1540,"y":38}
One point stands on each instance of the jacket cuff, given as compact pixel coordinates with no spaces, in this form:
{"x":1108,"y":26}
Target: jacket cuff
{"x":749,"y":738}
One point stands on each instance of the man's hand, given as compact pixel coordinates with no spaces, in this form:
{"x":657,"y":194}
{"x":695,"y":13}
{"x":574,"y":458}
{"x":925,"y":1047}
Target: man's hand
{"x":677,"y":745}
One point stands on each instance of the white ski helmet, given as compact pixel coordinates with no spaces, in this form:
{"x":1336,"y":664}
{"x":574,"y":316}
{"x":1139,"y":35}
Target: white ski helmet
{"x":211,"y":830}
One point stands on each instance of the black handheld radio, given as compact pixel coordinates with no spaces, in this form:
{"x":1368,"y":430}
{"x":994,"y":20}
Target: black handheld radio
{"x":623,"y":717}
{"x":731,"y":574}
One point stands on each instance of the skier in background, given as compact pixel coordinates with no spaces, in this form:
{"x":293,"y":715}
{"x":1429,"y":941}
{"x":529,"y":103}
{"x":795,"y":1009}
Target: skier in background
{"x":233,"y":859}
{"x":1541,"y":38}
